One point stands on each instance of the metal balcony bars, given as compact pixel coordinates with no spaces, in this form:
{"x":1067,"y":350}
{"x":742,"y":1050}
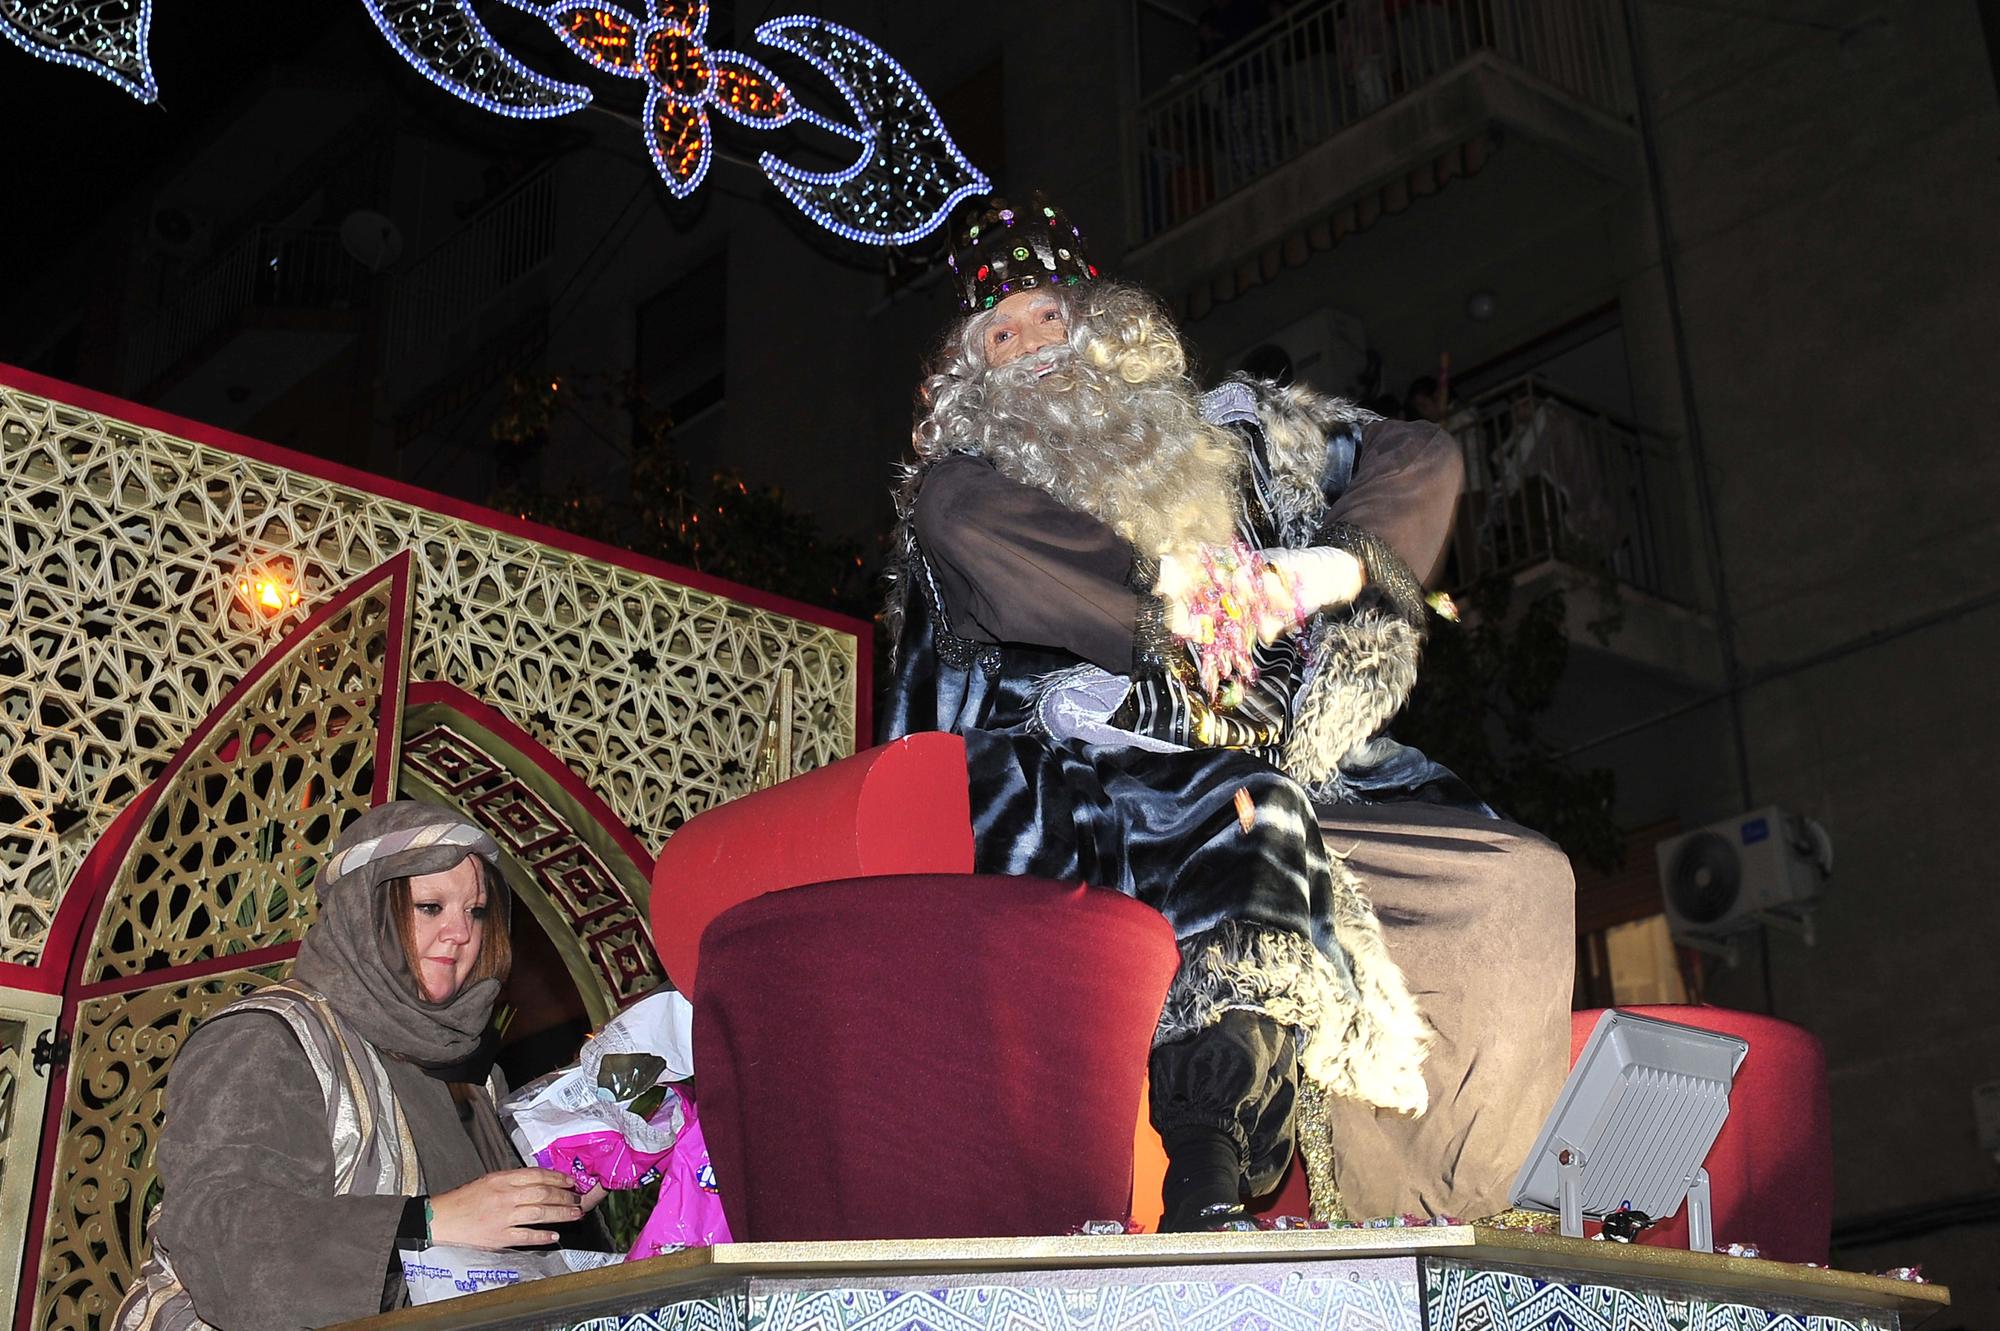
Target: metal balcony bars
{"x":1319,"y":67}
{"x":1549,"y":477}
{"x":497,"y":247}
{"x":268,"y":268}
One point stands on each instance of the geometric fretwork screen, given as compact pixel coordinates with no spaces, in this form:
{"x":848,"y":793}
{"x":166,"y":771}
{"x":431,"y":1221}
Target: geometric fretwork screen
{"x":225,"y":862}
{"x":124,"y":1045}
{"x":120,"y":551}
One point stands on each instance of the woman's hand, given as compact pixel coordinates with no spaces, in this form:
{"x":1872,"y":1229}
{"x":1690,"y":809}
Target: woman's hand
{"x":503,"y":1210}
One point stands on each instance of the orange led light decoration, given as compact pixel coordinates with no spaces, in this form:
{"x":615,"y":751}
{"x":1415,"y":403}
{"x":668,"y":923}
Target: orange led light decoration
{"x":267,"y":591}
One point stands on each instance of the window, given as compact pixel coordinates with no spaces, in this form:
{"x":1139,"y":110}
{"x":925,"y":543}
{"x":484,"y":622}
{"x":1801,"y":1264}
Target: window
{"x":1624,"y":951}
{"x":680,"y":356}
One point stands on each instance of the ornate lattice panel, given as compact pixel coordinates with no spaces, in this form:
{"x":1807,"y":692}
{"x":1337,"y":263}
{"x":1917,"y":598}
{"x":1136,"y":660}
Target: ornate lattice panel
{"x":1456,"y":1294}
{"x":104,"y":1177}
{"x":601,"y":918}
{"x":225,"y":862}
{"x":121,"y":626}
{"x":25,"y":1019}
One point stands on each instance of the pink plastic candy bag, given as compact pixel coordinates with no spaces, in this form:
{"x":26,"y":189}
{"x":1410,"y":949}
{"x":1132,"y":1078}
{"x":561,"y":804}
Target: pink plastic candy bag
{"x":689,"y":1212}
{"x":593,"y":1158}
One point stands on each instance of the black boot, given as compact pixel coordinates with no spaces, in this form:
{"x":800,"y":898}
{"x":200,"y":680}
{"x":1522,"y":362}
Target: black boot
{"x":1240,"y":1071}
{"x":1204,"y":1184}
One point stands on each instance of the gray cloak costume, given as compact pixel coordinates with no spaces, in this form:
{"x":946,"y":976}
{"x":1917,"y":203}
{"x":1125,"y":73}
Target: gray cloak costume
{"x":281,"y":1205}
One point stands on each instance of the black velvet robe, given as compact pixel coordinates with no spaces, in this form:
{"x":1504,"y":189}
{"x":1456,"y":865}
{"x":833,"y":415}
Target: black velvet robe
{"x":1012,"y":585}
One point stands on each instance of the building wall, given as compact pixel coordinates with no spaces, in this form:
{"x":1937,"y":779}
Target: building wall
{"x":1831,"y":190}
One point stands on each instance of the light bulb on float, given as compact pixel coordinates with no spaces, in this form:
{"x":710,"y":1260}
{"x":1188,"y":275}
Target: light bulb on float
{"x":267,"y":592}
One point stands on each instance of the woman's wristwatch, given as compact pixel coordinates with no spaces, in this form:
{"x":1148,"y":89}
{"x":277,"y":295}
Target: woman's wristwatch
{"x":413,"y":1231}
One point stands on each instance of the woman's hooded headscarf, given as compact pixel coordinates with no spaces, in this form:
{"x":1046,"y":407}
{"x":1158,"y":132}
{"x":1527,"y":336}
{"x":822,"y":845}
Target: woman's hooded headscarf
{"x":353,"y":954}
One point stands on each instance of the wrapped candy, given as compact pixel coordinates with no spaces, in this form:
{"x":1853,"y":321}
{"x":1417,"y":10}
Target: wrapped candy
{"x":608,"y":1120}
{"x":689,"y":1211}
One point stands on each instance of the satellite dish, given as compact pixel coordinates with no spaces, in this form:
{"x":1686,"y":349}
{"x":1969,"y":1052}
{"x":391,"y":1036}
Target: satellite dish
{"x":373,"y":240}
{"x":175,"y":231}
{"x":1704,"y":878}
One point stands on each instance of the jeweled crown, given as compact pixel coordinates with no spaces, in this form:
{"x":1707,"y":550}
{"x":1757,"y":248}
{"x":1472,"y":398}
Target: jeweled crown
{"x":1001,"y":249}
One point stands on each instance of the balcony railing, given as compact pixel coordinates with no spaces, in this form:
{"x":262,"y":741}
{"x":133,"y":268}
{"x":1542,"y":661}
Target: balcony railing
{"x":497,"y":247}
{"x":269,"y":268}
{"x":1549,"y":477}
{"x":1323,"y":66}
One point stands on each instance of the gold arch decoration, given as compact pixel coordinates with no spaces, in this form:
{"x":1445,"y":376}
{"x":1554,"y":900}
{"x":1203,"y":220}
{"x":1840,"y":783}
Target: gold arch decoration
{"x":224,"y":863}
{"x":219,"y":867}
{"x":586,"y":891}
{"x":123,"y":552}
{"x":96,"y":1232}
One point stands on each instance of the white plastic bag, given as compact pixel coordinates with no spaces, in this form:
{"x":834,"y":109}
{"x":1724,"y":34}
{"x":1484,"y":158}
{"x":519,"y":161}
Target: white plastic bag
{"x":446,"y":1272}
{"x":660,"y":1023}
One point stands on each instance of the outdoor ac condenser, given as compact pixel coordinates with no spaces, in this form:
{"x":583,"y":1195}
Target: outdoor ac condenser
{"x":1766,"y":866}
{"x":1325,"y":350}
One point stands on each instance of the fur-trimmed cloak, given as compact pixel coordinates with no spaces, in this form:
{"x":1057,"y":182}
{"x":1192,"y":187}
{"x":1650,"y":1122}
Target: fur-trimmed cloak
{"x":1003,"y":589}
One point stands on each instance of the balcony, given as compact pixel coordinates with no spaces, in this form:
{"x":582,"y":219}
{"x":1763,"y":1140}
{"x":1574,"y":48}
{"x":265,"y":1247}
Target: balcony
{"x":1336,"y":113}
{"x":250,"y":324}
{"x":1560,"y":493}
{"x":471,"y":286}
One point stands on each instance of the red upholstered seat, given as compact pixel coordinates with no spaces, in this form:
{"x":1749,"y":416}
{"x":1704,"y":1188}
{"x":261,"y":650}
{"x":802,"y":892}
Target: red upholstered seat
{"x":1771,"y":1171}
{"x":900,"y":808}
{"x":926,"y":1055}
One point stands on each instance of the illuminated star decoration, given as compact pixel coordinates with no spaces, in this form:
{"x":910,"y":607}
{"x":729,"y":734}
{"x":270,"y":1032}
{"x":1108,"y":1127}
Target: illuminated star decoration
{"x":448,"y":45}
{"x":106,"y":37}
{"x":684,"y":78}
{"x":909,"y":174}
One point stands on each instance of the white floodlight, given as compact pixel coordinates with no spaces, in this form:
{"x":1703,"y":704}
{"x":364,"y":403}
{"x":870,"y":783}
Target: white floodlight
{"x":1633,"y":1124}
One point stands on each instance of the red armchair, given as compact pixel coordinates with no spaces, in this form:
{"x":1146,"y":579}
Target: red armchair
{"x":888,"y":1045}
{"x":910,"y":954}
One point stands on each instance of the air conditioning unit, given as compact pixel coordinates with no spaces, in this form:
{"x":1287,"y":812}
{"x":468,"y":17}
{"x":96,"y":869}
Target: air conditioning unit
{"x":1766,"y":866}
{"x":177,"y":232}
{"x":1326,"y":350}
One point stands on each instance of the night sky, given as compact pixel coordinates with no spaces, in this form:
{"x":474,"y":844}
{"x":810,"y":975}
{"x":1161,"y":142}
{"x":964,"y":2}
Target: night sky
{"x":80,"y":145}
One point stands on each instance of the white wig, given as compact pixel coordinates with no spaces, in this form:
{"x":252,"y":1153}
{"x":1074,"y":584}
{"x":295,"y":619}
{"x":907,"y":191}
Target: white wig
{"x":1113,"y":429}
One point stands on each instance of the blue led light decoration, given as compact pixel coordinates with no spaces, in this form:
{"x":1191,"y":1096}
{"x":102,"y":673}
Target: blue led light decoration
{"x":106,"y":37}
{"x":907,"y":174}
{"x":446,"y":43}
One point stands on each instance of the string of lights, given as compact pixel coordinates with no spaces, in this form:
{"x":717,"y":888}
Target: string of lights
{"x":445,"y":42}
{"x":906,"y":177}
{"x":106,"y":37}
{"x":909,"y":174}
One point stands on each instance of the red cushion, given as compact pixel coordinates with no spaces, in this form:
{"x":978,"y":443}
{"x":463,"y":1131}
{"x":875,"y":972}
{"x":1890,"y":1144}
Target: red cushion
{"x":900,"y":808}
{"x":1771,"y":1169}
{"x":926,"y":1056}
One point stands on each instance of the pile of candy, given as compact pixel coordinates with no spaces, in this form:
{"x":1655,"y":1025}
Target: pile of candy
{"x":1235,"y":600}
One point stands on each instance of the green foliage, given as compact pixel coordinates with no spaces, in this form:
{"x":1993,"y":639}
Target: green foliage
{"x":1485,"y":682}
{"x":719,"y":524}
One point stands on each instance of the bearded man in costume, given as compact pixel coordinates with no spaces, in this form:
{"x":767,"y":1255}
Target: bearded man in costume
{"x":1171,"y":627}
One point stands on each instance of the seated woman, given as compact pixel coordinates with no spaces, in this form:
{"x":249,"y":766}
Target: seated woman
{"x":302,"y":1151}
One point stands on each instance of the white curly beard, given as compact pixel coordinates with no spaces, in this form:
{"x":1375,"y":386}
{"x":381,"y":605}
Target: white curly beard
{"x":1139,"y":457}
